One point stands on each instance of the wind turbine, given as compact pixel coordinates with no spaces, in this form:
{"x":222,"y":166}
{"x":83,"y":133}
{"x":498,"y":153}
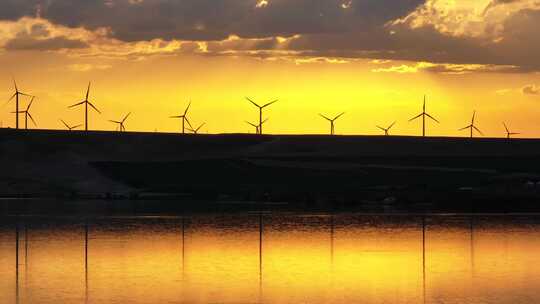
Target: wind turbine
{"x":120,"y":123}
{"x":256,"y":126}
{"x":27,"y":114}
{"x":260,"y":111}
{"x":70,"y":127}
{"x":16,"y":96}
{"x":424,"y":114}
{"x":196,"y":131}
{"x":472,"y":126}
{"x":387,"y":129}
{"x":86,"y":103}
{"x":332,"y":122}
{"x":508,"y":133}
{"x":184,"y":119}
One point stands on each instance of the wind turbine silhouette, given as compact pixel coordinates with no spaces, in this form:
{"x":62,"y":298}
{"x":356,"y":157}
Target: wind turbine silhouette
{"x":120,"y":123}
{"x":27,"y":114}
{"x":256,"y":126}
{"x":424,"y":114}
{"x":86,"y":103}
{"x":196,"y":131}
{"x":16,"y":96}
{"x":184,"y":118}
{"x":69,"y":127}
{"x":332,"y":122}
{"x":472,"y":126}
{"x":260,"y":111}
{"x":387,"y":129}
{"x":508,"y":133}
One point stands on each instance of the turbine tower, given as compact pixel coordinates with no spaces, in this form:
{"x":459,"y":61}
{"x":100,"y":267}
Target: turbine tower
{"x":256,"y":126}
{"x":260,"y":111}
{"x":16,"y":96}
{"x":472,"y":126}
{"x":68,"y":126}
{"x":27,"y":114}
{"x":184,"y":119}
{"x":86,"y":103}
{"x":387,"y":129}
{"x":332,"y":121}
{"x":121,"y":126}
{"x":508,"y":133}
{"x":196,"y":131}
{"x":424,"y":114}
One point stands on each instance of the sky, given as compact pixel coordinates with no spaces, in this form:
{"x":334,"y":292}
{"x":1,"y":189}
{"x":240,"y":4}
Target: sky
{"x":372,"y":59}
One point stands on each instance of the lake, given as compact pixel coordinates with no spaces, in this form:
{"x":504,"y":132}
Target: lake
{"x":271,"y":258}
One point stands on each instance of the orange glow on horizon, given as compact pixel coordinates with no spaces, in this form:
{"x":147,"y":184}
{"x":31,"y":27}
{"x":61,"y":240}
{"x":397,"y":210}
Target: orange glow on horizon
{"x":157,"y":88}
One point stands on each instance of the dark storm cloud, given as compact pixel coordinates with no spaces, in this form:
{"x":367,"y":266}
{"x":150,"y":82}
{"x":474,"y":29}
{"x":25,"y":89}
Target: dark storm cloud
{"x":214,"y":19}
{"x":321,"y":28}
{"x":15,"y":9}
{"x":519,"y":46}
{"x":38,"y":38}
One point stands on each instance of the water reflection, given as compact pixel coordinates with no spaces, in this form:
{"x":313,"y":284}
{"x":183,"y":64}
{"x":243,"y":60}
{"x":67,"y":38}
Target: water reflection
{"x":270,"y":258}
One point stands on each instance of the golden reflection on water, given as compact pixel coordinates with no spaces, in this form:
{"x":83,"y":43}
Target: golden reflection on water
{"x":288,"y":259}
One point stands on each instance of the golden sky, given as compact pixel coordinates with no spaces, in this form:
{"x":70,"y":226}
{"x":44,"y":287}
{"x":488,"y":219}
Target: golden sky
{"x":373,"y":60}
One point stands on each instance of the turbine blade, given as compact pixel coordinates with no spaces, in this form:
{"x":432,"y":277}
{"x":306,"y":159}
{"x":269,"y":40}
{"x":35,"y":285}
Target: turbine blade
{"x":189,"y":124}
{"x":464,"y":128}
{"x":123,"y":120}
{"x":30,"y":104}
{"x":176,"y":116}
{"x":94,"y":107}
{"x":271,"y":102}
{"x":253,"y":102}
{"x":88,"y":91}
{"x":390,"y":127}
{"x":65,"y":124}
{"x":382,"y":129}
{"x":77,"y":126}
{"x":200,"y":126}
{"x":15,"y":84}
{"x":77,"y":104}
{"x":339,"y":116}
{"x":478,"y":130}
{"x":432,"y":118}
{"x":13,"y":96}
{"x":114,"y":121}
{"x":325,"y":117}
{"x":419,"y":115}
{"x":187,"y":109}
{"x":253,"y":125}
{"x":505,"y":127}
{"x":264,"y":121}
{"x":31,"y":118}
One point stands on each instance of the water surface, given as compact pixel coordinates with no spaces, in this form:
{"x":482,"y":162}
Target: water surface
{"x":271,"y":258}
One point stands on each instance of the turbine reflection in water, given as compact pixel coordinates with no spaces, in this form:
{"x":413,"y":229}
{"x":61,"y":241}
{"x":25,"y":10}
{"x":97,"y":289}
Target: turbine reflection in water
{"x":271,"y":258}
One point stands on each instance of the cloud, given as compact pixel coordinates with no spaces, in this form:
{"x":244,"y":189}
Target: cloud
{"x":401,"y":69}
{"x":40,"y":35}
{"x":85,"y":67}
{"x":207,"y":20}
{"x":531,"y":90}
{"x":454,"y":69}
{"x":39,"y":38}
{"x":459,"y":36}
